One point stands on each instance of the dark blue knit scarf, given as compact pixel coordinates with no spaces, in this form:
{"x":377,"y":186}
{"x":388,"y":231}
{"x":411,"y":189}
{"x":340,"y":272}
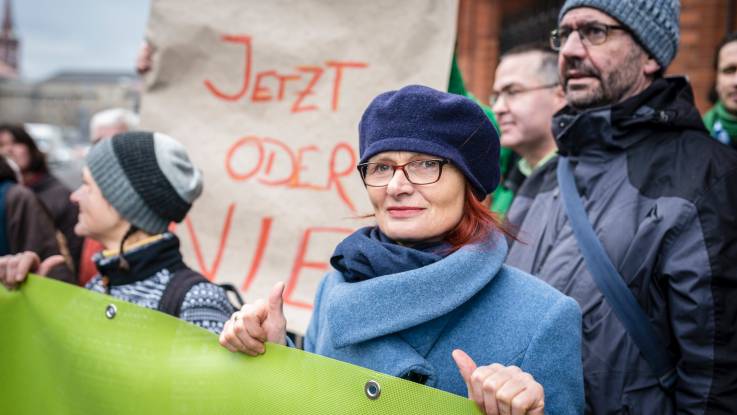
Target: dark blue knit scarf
{"x":368,"y":253}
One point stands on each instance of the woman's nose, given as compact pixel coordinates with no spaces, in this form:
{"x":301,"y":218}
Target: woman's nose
{"x":399,"y":184}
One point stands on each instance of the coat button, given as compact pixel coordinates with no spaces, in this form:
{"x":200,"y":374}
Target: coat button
{"x":111,"y":311}
{"x":372,"y":389}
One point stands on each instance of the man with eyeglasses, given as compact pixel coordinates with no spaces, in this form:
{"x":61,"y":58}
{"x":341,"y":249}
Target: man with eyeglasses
{"x":526,"y":94}
{"x":639,"y":175}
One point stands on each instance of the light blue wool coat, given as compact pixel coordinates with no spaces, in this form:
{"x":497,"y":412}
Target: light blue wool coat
{"x":412,"y":321}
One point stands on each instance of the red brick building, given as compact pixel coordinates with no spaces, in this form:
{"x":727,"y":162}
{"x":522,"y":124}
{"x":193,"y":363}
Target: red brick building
{"x":488,"y":27}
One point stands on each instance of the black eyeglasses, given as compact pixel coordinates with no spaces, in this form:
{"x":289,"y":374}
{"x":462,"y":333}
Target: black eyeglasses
{"x":590,"y":34}
{"x":416,"y":172}
{"x":509,"y":93}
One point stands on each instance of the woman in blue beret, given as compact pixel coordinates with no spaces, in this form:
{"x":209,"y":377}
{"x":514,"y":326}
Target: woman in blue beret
{"x":424,"y":294}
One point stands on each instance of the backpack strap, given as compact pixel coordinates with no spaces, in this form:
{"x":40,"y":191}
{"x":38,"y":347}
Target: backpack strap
{"x":231,"y":290}
{"x":611,"y":284}
{"x":179,"y":285}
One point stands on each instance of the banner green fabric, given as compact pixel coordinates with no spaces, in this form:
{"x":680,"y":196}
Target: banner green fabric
{"x":61,"y":354}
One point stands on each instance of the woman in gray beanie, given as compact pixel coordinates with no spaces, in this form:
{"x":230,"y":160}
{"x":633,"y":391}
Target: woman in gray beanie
{"x":134,"y":186}
{"x":424,"y":294}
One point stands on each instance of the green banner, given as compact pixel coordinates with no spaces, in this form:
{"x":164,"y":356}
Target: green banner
{"x":64,"y":350}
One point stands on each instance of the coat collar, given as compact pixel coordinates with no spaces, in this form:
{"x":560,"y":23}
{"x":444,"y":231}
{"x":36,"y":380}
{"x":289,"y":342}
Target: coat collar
{"x":667,"y":104}
{"x":365,"y":310}
{"x":143,"y":260}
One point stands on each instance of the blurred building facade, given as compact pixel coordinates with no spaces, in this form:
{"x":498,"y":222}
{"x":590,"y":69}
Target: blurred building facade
{"x":69,"y":98}
{"x":487,"y":28}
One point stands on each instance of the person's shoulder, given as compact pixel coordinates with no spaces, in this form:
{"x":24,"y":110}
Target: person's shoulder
{"x":328,"y":281}
{"x":207,"y":294}
{"x":52,"y":185}
{"x":541,"y":180}
{"x":22,"y":197}
{"x":683,"y":165}
{"x":16,"y":191}
{"x":533,"y":291}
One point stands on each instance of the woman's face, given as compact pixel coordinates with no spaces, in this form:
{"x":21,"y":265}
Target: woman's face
{"x":17,"y":152}
{"x":411,"y":213}
{"x":21,"y":155}
{"x":97,"y":218}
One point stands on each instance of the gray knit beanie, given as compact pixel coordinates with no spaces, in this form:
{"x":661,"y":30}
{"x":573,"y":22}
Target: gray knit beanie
{"x":654,"y":23}
{"x":147,"y":177}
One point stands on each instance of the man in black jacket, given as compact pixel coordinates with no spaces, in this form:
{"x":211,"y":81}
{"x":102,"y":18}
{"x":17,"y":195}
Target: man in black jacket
{"x":661,"y":196}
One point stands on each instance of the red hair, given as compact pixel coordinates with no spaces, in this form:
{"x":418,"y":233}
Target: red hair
{"x":477,"y":223}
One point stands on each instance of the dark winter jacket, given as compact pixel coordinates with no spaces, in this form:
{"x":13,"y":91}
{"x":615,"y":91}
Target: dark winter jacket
{"x":55,"y":196}
{"x":28,"y":227}
{"x":662,"y":197}
{"x":152,"y":265}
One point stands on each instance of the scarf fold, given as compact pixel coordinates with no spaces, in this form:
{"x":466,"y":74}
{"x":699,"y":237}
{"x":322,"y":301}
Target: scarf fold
{"x":359,"y":311}
{"x":721,"y":124}
{"x":368,"y":253}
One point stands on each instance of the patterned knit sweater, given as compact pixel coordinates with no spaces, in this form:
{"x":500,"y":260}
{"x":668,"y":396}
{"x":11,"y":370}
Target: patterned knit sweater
{"x":152,"y":265}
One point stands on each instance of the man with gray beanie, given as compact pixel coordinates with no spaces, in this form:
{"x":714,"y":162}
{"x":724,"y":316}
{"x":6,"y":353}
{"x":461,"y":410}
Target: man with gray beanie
{"x":635,"y":219}
{"x":134,"y":185}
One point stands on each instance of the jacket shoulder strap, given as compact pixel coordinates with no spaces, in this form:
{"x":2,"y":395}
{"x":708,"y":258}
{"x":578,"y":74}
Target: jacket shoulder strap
{"x":611,"y":284}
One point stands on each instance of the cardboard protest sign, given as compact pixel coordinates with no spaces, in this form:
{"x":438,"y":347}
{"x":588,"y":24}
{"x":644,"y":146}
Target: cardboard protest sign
{"x":267,"y":96}
{"x":67,"y":350}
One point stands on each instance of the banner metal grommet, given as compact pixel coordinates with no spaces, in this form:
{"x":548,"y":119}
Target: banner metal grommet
{"x":372,"y":389}
{"x":111,"y":311}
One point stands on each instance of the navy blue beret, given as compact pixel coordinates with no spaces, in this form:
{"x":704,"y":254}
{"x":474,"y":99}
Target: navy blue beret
{"x":423,"y":120}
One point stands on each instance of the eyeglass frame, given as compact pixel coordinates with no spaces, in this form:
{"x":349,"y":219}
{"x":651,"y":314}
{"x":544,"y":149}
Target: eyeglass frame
{"x":362,"y":171}
{"x":493,"y":98}
{"x":555,"y":33}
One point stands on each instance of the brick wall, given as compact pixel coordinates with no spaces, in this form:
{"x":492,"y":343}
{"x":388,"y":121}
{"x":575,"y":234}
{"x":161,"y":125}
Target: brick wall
{"x":703,"y":24}
{"x":477,"y":48}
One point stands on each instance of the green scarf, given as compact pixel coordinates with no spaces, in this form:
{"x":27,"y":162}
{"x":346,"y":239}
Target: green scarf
{"x":722,"y":124}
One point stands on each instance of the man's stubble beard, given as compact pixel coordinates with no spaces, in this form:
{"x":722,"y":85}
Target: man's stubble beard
{"x":611,"y":89}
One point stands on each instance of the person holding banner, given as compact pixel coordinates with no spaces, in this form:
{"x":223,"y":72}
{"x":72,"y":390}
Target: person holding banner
{"x":134,"y":185}
{"x":25,"y":224}
{"x":424,"y":295}
{"x":18,"y":145}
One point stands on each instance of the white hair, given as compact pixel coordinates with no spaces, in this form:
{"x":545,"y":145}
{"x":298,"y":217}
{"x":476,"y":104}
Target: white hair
{"x":114,"y":117}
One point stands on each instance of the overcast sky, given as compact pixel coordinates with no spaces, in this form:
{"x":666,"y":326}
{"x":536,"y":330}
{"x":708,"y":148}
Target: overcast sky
{"x":78,"y":34}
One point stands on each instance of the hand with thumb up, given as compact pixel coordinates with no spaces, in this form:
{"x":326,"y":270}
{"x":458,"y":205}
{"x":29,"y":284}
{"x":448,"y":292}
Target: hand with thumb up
{"x":500,"y":390}
{"x":254,"y":324}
